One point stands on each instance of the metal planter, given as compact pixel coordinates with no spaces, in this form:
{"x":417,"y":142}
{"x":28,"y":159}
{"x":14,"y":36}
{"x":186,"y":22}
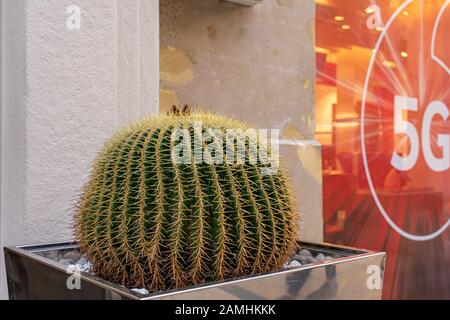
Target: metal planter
{"x":347,"y":276}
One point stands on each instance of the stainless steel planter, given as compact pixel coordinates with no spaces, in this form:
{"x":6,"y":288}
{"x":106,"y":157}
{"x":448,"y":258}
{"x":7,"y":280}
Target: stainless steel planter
{"x":31,"y":276}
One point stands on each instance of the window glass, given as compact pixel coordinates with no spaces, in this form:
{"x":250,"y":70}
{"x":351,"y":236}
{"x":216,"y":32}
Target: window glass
{"x":383,"y":120}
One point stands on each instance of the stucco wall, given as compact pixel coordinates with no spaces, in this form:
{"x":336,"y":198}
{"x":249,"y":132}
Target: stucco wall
{"x":256,"y":64}
{"x":66,"y":92}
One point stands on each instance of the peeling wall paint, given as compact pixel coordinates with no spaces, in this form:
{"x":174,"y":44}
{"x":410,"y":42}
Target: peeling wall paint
{"x":176,"y":68}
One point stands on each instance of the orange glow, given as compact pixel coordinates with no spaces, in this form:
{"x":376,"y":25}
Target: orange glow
{"x":417,"y":200}
{"x":350,"y":124}
{"x":322,"y":50}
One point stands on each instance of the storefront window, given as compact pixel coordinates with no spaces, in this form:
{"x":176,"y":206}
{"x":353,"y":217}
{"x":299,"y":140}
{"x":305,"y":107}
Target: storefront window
{"x":383,"y":120}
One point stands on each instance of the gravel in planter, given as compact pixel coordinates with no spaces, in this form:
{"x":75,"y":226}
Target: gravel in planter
{"x":72,"y":259}
{"x":306,"y":257}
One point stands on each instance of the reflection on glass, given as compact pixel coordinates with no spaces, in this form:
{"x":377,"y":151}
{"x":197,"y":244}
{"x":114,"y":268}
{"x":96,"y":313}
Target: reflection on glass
{"x":382,"y":96}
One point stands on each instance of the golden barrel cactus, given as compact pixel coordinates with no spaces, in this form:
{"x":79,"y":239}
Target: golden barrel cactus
{"x":147,"y":221}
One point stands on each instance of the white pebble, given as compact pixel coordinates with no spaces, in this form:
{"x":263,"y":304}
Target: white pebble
{"x":320,"y":257}
{"x":84,"y":267}
{"x":71,"y":255}
{"x":141,"y":291}
{"x":82,"y":261}
{"x":295,"y":263}
{"x":305,"y":252}
{"x":66,"y":262}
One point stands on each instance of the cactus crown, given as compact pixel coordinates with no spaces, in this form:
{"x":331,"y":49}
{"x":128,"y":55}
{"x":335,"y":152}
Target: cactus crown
{"x":147,"y":221}
{"x":177,"y":112}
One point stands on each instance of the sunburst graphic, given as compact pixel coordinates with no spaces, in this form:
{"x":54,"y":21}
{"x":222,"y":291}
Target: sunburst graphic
{"x":383,"y":119}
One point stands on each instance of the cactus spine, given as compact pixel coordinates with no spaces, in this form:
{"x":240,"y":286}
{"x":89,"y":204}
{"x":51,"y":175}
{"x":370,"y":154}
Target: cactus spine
{"x":146,"y":221}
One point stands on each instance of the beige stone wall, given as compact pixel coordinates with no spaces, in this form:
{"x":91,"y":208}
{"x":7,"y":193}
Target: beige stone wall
{"x":256,"y":64}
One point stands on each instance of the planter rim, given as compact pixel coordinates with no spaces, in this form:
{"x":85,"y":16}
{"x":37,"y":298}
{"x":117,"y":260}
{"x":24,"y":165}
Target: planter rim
{"x":346,"y":254}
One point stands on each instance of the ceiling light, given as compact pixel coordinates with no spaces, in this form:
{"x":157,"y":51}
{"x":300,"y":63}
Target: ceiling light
{"x":346,"y":27}
{"x":404,"y":54}
{"x":389,"y":64}
{"x":339,"y":18}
